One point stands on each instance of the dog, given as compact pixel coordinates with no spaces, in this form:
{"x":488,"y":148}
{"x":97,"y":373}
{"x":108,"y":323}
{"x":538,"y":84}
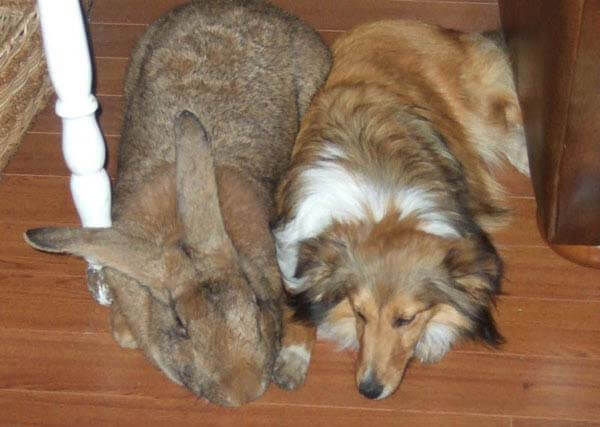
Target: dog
{"x":384,"y":213}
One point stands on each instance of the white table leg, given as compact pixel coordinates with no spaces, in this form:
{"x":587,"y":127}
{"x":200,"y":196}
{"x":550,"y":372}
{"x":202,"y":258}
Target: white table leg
{"x":69,"y":65}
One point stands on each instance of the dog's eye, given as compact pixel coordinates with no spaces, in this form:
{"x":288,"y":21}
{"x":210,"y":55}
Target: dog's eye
{"x":402,"y":321}
{"x":361,"y":316}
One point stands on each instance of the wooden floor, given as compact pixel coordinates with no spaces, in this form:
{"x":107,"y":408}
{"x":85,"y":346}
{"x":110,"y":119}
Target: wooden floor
{"x":59,"y":365}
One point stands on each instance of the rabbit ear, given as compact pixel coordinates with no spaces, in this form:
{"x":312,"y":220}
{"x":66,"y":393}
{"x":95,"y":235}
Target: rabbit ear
{"x":197,"y":193}
{"x":145,"y":263}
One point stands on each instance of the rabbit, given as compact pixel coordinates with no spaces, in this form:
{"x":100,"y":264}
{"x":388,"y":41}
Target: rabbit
{"x":213,"y":97}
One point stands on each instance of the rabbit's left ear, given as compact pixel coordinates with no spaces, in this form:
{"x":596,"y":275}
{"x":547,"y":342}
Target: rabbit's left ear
{"x":197,"y":192}
{"x":145,"y":263}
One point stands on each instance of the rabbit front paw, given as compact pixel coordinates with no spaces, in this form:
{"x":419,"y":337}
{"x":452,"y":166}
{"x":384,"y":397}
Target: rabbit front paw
{"x":291,"y":367}
{"x":124,"y":338}
{"x":121,"y":331}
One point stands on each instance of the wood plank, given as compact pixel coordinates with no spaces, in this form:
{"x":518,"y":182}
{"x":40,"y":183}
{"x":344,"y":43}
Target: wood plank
{"x":338,"y":15}
{"x":27,"y":407}
{"x":114,"y":40}
{"x":45,"y":302}
{"x":547,"y":328}
{"x":34,"y":199}
{"x":110,"y":75}
{"x":131,"y":12}
{"x":345,"y":14}
{"x":537,"y":422}
{"x":537,"y":272}
{"x":523,"y":228}
{"x":84,"y":363}
{"x":472,"y":383}
{"x":41,"y":154}
{"x":17,"y":257}
{"x":117,"y":40}
{"x":532,"y":327}
{"x":110,"y":116}
{"x":461,"y":383}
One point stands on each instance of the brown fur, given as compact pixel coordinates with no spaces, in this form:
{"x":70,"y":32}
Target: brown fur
{"x":190,"y":260}
{"x":407,"y":106}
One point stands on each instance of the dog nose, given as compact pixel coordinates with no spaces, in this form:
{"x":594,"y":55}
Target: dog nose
{"x":370,"y":388}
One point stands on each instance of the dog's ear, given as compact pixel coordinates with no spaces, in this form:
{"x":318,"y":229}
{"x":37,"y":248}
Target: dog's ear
{"x":485,"y":328}
{"x":475,"y":271}
{"x":141,"y":261}
{"x":323,"y":264}
{"x":320,"y":256}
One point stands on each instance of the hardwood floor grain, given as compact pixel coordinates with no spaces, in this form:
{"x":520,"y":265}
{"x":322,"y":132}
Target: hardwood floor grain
{"x":40,"y":154}
{"x":110,"y":116}
{"x":60,"y":366}
{"x":61,"y":409}
{"x":49,"y":302}
{"x":114,"y":40}
{"x":117,"y":40}
{"x":537,"y":272}
{"x":36,"y":199}
{"x":17,"y":257}
{"x":545,"y":422}
{"x":468,"y":383}
{"x":528,"y":324}
{"x":328,"y":15}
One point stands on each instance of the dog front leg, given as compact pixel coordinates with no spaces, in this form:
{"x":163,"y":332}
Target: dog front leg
{"x":292,"y":362}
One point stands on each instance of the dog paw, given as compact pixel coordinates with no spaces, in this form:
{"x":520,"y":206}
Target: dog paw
{"x":291,"y":367}
{"x":97,"y":285}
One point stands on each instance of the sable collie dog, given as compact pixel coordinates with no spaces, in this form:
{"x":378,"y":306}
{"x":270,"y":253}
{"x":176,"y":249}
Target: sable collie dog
{"x":384,"y":212}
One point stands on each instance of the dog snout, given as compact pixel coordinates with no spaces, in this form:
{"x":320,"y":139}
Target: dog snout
{"x":371,"y":387}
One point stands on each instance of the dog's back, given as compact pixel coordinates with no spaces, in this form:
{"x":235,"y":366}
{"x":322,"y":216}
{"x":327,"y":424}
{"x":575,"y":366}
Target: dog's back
{"x":461,"y":83}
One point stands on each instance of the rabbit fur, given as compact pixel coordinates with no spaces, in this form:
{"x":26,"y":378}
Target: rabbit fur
{"x":190,"y":261}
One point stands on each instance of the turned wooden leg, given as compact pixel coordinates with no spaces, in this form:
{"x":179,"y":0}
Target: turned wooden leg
{"x":69,"y":65}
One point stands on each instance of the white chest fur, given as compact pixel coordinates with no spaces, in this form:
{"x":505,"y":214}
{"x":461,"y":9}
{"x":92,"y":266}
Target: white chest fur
{"x":330,"y":192}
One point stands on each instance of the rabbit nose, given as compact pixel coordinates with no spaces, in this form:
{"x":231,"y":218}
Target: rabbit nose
{"x":245,"y":386}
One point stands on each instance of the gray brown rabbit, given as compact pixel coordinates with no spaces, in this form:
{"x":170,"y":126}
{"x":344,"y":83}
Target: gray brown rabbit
{"x":213,"y":98}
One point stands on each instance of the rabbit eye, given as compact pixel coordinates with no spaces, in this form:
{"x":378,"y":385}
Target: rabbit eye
{"x":184,"y":248}
{"x":179,"y":329}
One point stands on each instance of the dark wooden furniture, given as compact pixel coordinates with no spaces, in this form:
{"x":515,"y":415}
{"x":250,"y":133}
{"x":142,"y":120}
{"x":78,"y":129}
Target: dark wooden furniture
{"x":556,"y":49}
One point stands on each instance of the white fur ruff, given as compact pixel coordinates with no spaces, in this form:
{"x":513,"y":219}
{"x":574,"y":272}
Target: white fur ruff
{"x":435,"y":342}
{"x":330,"y":192}
{"x":343,"y":332}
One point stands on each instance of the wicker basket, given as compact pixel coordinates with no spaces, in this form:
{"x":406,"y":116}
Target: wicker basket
{"x":24,"y":83}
